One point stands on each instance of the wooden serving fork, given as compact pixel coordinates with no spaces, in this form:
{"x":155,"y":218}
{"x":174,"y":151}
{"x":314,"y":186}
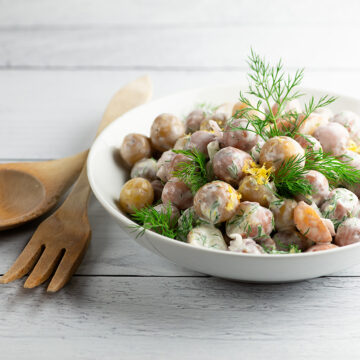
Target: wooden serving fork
{"x":60,"y":241}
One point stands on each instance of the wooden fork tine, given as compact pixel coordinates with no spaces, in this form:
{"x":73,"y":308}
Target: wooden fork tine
{"x":24,"y":263}
{"x":44,"y":267}
{"x":67,"y":267}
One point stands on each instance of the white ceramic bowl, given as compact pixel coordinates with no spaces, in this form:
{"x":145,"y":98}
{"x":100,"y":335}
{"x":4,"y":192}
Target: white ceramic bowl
{"x":106,"y":178}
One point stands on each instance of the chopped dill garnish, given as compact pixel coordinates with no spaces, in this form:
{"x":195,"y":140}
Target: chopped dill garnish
{"x":193,"y":174}
{"x":161,"y":222}
{"x":268,"y":85}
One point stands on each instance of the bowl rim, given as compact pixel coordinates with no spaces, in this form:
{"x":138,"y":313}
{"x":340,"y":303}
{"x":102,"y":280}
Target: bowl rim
{"x":124,"y":220}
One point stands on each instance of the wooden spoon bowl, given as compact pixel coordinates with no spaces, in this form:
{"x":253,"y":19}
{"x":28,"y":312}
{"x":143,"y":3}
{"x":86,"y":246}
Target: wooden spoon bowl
{"x":28,"y":190}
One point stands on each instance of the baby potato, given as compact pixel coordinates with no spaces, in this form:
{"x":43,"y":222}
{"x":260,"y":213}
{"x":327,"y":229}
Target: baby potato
{"x":219,"y":118}
{"x":165,"y":130}
{"x":283,"y":211}
{"x":175,"y":213}
{"x":145,"y":168}
{"x":325,"y":113}
{"x":158,"y":187}
{"x":310,"y":125}
{"x":251,"y":221}
{"x":279,"y":149}
{"x":308,"y":142}
{"x":250,"y":190}
{"x":225,"y":108}
{"x":291,"y":237}
{"x":310,"y":224}
{"x":319,"y":185}
{"x":240,"y":139}
{"x":245,"y":246}
{"x":134,"y":148}
{"x":351,"y":123}
{"x":228,"y":164}
{"x":289,"y":106}
{"x":321,"y":247}
{"x":193,"y":120}
{"x":177,"y":193}
{"x":182,"y":143}
{"x":255,"y":150}
{"x":164,"y":170}
{"x":333,"y":138}
{"x":267,"y":243}
{"x":216,"y":202}
{"x":340,"y":204}
{"x":136,"y":194}
{"x":207,"y":236}
{"x":199,"y":140}
{"x":238,"y":111}
{"x":348,"y":232}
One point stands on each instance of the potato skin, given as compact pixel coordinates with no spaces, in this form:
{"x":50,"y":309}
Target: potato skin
{"x":135,"y":147}
{"x":348,"y":232}
{"x":250,"y":190}
{"x":177,"y":193}
{"x":165,"y":130}
{"x":216,"y":202}
{"x":321,"y":247}
{"x":279,"y":149}
{"x":241,"y":139}
{"x":194,"y":119}
{"x":228,"y":164}
{"x":333,"y":138}
{"x":135,"y":195}
{"x":145,"y":168}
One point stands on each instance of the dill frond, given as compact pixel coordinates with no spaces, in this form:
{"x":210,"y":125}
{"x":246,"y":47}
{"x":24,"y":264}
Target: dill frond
{"x":290,"y":178}
{"x":149,"y":219}
{"x":193,"y":174}
{"x":270,"y":84}
{"x":335,"y":170}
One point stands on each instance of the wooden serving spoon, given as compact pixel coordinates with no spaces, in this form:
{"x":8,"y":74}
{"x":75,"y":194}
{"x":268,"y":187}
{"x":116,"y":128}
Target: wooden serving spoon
{"x":60,"y":242}
{"x":28,"y":190}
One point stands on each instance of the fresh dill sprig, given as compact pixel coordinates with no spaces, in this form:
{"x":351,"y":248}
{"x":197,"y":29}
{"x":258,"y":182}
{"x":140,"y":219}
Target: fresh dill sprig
{"x":193,"y":174}
{"x":335,"y":170}
{"x":268,"y":85}
{"x":161,"y":222}
{"x":290,"y":178}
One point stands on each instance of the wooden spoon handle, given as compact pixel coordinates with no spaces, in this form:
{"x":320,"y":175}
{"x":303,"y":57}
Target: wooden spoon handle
{"x":130,"y":96}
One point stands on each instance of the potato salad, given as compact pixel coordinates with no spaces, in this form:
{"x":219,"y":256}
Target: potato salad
{"x":269,"y":174}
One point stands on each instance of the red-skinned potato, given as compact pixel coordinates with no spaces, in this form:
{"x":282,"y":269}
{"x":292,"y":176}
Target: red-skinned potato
{"x":134,"y":148}
{"x":165,"y":130}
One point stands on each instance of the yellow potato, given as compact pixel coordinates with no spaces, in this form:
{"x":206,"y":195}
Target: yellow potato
{"x":250,"y":190}
{"x":136,"y":194}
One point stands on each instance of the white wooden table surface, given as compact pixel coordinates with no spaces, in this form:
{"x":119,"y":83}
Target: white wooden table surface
{"x":60,"y":62}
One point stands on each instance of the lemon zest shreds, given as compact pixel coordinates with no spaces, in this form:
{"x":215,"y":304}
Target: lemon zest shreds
{"x":261,"y":174}
{"x":235,"y":196}
{"x":353,"y":147}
